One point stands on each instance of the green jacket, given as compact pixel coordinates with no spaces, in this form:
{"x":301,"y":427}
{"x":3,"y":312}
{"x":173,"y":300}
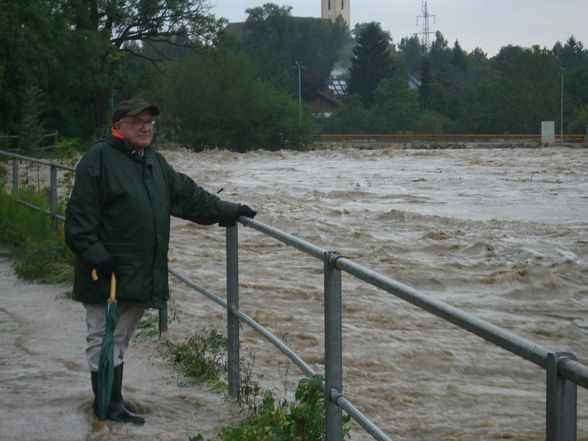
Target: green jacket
{"x":120,"y":206}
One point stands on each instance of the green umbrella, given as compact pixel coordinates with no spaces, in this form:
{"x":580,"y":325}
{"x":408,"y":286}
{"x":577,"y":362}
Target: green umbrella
{"x":106,"y":363}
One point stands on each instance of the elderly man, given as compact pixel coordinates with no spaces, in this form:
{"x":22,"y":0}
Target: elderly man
{"x":118,"y":221}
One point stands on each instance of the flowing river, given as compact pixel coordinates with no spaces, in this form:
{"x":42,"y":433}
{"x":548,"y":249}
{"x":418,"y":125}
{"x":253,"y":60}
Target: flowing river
{"x":500,"y":233}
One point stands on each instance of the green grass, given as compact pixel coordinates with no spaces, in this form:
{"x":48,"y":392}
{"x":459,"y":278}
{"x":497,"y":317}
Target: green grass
{"x":272,"y":420}
{"x":40,"y":253}
{"x":202,"y":357}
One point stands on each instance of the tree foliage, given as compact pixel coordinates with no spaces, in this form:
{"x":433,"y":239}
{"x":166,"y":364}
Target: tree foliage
{"x":74,"y":50}
{"x":511,"y":92}
{"x":64,"y":63}
{"x":279,"y":43}
{"x":371,"y":61}
{"x":217,"y":100}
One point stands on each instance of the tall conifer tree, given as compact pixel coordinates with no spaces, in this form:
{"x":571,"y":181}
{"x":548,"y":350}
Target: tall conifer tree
{"x":371,"y":61}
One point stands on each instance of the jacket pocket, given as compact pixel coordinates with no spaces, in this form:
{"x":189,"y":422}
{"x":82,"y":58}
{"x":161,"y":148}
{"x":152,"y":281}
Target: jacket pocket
{"x":134,"y":271}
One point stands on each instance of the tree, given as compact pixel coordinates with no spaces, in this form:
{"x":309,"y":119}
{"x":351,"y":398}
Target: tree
{"x":395,"y":106}
{"x":426,"y":85}
{"x":440,"y":53}
{"x":27,"y":53}
{"x":459,"y":58}
{"x":218,"y":100}
{"x":371,"y":61}
{"x":352,"y":117}
{"x":278,"y":43}
{"x":570,"y":55}
{"x":575,"y":96}
{"x":517,"y":96}
{"x":479,"y":56}
{"x":76,"y":52}
{"x":412,"y":50}
{"x":103,"y":32}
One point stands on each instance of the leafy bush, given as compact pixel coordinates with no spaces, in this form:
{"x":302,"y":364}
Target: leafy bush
{"x":303,"y":420}
{"x":201,"y":357}
{"x":41,"y":254}
{"x":219,"y":101}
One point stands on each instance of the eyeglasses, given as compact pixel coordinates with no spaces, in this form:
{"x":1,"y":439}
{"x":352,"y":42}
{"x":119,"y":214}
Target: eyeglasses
{"x":137,"y":123}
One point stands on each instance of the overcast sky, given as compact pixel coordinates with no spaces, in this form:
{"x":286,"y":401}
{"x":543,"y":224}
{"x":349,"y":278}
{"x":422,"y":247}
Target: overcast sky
{"x":488,"y":24}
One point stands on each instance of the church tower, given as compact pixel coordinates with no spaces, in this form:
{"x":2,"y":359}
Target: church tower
{"x":331,"y":9}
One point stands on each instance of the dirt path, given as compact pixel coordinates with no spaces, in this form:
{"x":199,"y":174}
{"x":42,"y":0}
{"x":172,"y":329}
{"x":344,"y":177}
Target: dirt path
{"x":45,"y":389}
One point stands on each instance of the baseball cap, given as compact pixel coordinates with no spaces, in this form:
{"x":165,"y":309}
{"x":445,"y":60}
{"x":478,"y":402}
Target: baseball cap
{"x":132,"y":107}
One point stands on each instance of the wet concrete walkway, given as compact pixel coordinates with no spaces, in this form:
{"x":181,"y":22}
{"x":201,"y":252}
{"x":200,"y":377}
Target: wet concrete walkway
{"x":45,"y":391}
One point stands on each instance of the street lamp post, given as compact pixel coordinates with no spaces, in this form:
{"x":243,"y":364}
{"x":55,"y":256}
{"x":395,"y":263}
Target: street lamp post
{"x":562,"y":70}
{"x":299,"y":95}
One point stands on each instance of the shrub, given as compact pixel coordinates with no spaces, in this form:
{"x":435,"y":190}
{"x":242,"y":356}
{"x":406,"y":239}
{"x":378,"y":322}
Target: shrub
{"x":41,"y":254}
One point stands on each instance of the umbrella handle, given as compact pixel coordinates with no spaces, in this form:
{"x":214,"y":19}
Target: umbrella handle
{"x":112,"y":296}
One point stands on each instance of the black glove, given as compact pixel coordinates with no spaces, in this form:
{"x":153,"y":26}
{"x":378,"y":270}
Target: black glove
{"x":106,"y":268}
{"x":246,"y":210}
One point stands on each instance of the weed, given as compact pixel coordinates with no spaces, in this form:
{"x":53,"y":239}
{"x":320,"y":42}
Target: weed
{"x":201,"y":358}
{"x":41,"y":254}
{"x":303,"y":420}
{"x":148,"y":326}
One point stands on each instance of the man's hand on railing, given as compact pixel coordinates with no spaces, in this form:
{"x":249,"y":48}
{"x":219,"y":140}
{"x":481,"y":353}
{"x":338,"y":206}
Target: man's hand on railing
{"x":246,"y":210}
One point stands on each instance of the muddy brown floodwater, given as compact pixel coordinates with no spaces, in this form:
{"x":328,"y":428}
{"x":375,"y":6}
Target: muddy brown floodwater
{"x":499,"y":233}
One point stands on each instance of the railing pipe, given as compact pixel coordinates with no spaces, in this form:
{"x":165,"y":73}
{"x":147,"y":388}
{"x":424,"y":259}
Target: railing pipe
{"x":561,"y":402}
{"x":15,"y":177}
{"x":525,"y":348}
{"x":333,"y":346}
{"x":288,"y":239}
{"x":36,"y":161}
{"x":234,"y":374}
{"x":293,"y":356}
{"x":53,"y":202}
{"x":573,"y":371}
{"x":212,"y":296}
{"x":359,"y":417}
{"x":296,"y":359}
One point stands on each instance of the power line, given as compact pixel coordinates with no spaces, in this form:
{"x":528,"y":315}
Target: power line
{"x":426,"y":29}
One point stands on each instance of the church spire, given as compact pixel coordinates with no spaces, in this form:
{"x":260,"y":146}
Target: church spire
{"x":331,"y":9}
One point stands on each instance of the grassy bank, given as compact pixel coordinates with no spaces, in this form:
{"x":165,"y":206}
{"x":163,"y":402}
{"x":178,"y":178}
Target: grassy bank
{"x":202,"y":358}
{"x":40,"y":254}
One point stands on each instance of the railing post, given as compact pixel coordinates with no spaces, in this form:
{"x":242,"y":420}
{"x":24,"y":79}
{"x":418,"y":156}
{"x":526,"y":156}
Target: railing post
{"x":561,"y":401}
{"x":333,"y":346}
{"x":53,"y":180}
{"x":14,"y":176}
{"x":234,"y":375}
{"x":162,"y":319}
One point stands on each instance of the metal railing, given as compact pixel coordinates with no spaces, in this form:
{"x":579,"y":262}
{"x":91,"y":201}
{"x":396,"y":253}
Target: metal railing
{"x":442,"y":137}
{"x":563,"y":372}
{"x":46,"y":141}
{"x":53,"y":169}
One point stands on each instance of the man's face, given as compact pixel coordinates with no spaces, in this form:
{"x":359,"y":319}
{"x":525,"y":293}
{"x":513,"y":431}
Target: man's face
{"x":137,"y":130}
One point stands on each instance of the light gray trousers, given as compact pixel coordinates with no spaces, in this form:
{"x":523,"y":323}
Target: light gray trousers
{"x":96,"y":323}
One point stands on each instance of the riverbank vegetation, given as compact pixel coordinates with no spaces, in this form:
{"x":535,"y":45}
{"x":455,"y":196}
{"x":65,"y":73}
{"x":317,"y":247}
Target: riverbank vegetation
{"x":202,"y":358}
{"x":40,"y":254}
{"x":256,"y":84}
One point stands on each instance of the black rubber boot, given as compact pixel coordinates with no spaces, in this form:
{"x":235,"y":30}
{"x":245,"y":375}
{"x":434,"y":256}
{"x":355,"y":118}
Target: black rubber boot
{"x":128,"y":406}
{"x":116,"y":409}
{"x":95,"y":390}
